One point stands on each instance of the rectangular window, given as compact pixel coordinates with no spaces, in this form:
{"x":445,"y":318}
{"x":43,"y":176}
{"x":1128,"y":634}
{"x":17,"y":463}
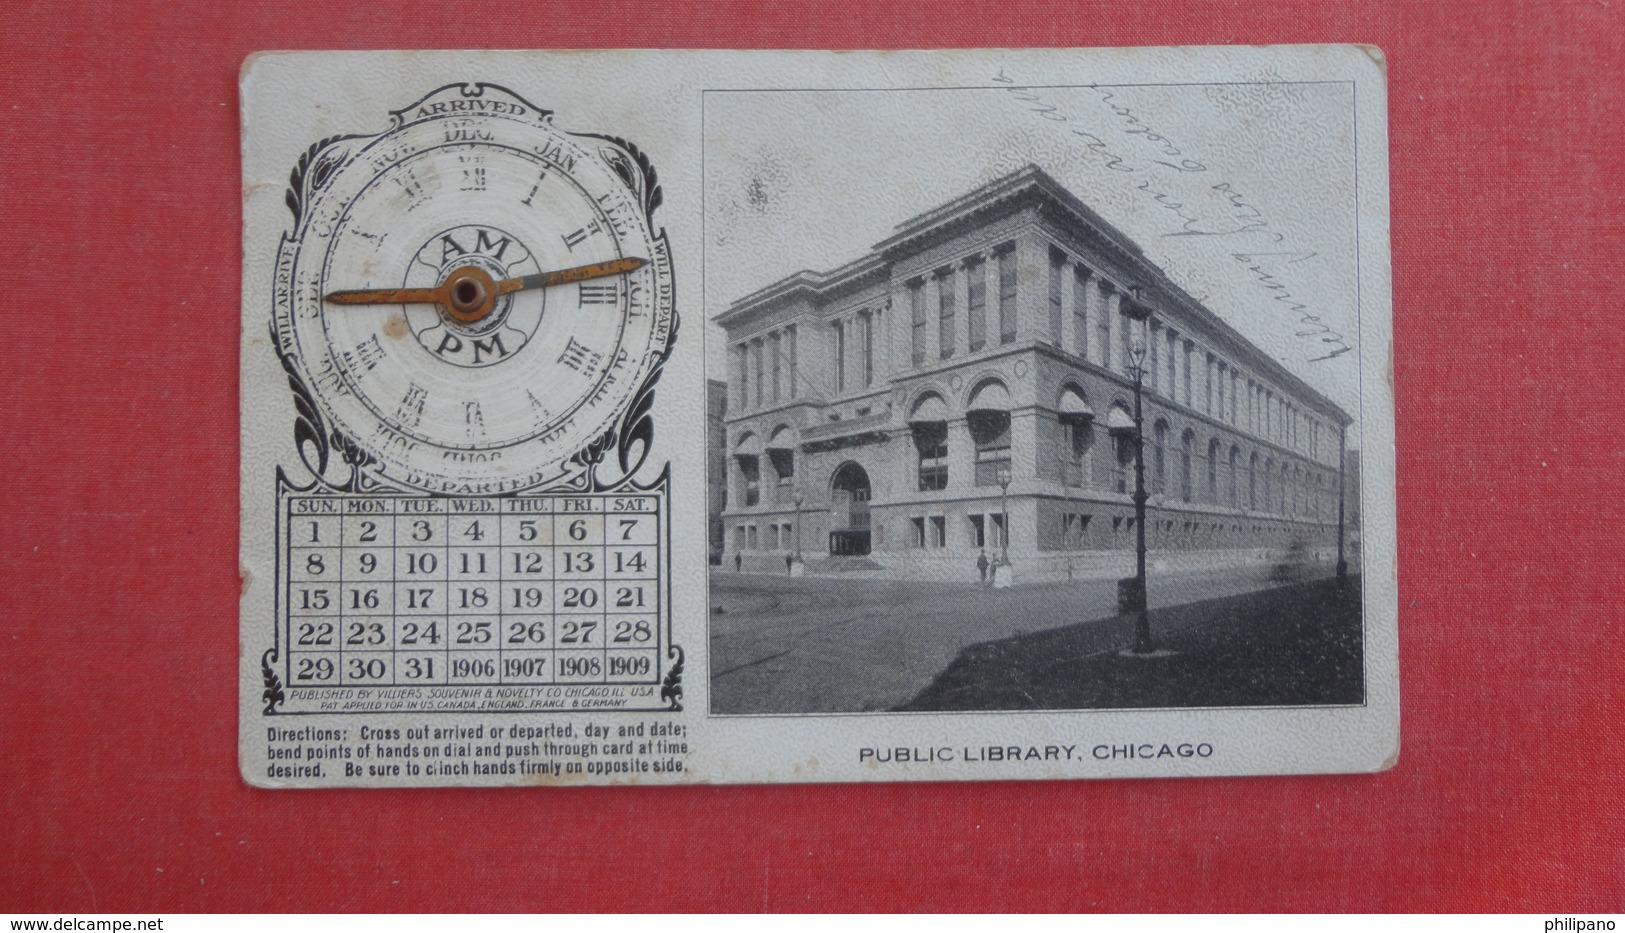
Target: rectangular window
{"x":791,"y":335}
{"x":916,"y":303}
{"x":990,"y":432}
{"x":1104,"y":328}
{"x":978,"y":531}
{"x":1173,"y":363}
{"x":945,"y":313}
{"x":751,"y":469}
{"x":976,"y":298}
{"x":931,"y":441}
{"x":1125,"y":333}
{"x":1001,"y":534}
{"x":1007,"y":296}
{"x":783,"y":460}
{"x":744,"y":376}
{"x":778,"y":371}
{"x":1207,"y":386}
{"x":1154,"y":330}
{"x":1075,"y":454}
{"x":1057,"y":268}
{"x":919,"y":531}
{"x":756,"y":351}
{"x":868,"y":349}
{"x":939,"y":531}
{"x":1190,"y":350}
{"x":840,"y":357}
{"x":1080,"y":313}
{"x":1124,"y":443}
{"x":739,"y":537}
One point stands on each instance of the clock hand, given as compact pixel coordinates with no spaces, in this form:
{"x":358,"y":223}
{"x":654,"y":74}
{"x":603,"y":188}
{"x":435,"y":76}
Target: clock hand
{"x":596,"y":270}
{"x":469,"y":293}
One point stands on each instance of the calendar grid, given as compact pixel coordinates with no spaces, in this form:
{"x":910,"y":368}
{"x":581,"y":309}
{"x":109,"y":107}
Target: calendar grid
{"x":523,"y":591}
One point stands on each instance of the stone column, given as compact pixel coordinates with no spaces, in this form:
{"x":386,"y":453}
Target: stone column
{"x":1032,"y":297}
{"x":961,"y":456}
{"x":736,"y":482}
{"x":906,"y":466}
{"x":1024,"y":444}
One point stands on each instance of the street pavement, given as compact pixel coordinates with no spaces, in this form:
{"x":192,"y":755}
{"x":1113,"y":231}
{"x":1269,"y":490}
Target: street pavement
{"x":784,"y":644}
{"x":1298,"y":645}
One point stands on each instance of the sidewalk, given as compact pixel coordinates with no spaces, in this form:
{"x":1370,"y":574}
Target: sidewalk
{"x":818,"y":645}
{"x":1294,"y":646}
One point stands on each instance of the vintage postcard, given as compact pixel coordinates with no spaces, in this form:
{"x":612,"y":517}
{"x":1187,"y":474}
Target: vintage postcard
{"x":669,"y":417}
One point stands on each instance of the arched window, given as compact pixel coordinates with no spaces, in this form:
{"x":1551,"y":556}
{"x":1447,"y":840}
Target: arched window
{"x":929,"y":422}
{"x":988,"y":415}
{"x":1121,"y":425}
{"x":1077,"y":436}
{"x":1213,"y":470}
{"x":1269,"y":484}
{"x":1252,"y":481}
{"x":1159,"y":457}
{"x":1187,"y":450}
{"x":748,"y":455}
{"x":1235,"y":467}
{"x":781,"y":455}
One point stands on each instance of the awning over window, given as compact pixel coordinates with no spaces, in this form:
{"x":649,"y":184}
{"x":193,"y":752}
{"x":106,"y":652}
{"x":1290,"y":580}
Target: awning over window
{"x":931,"y":408}
{"x":749,"y":446}
{"x":1119,"y":421}
{"x":782,"y":439}
{"x":1074,"y":409}
{"x":990,"y":396}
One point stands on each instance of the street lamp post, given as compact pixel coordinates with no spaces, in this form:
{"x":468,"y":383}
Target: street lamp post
{"x":1004,"y":517}
{"x":1143,"y":643}
{"x":798,"y":526}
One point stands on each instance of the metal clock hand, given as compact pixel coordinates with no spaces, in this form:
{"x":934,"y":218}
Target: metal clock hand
{"x":469,"y":293}
{"x":596,"y":270}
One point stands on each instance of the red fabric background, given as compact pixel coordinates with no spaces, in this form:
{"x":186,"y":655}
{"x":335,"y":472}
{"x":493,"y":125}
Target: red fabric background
{"x":119,"y":275}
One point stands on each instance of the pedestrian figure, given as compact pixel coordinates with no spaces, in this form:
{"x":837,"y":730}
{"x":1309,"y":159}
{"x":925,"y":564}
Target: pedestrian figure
{"x":981,"y":566}
{"x":739,"y":560}
{"x":787,"y":561}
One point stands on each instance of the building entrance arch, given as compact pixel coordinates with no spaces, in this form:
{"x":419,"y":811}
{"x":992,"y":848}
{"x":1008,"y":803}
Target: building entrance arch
{"x":849,"y":511}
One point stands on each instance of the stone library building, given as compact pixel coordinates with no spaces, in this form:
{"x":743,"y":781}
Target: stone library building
{"x":966,"y":390}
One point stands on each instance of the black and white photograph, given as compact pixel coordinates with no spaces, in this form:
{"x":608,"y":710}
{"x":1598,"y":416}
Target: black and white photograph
{"x":1034,"y":397}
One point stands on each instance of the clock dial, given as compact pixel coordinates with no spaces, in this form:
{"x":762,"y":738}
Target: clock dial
{"x":474,"y":371}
